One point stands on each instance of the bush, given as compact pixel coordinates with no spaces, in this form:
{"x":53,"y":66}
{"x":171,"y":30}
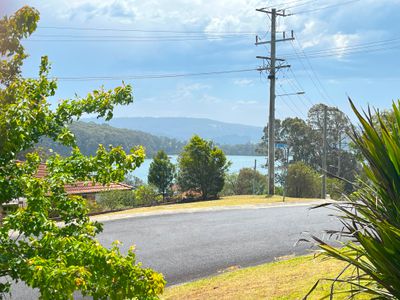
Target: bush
{"x":251,"y":182}
{"x":146,"y":195}
{"x":113,"y":200}
{"x":230,"y":184}
{"x":302,"y":181}
{"x":335,"y":188}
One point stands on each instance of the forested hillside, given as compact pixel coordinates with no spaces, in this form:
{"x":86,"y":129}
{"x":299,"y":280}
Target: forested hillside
{"x":183,"y":129}
{"x":90,"y":135}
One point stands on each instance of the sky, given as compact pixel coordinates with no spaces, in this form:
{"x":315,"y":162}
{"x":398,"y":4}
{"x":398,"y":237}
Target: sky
{"x":342,"y":49}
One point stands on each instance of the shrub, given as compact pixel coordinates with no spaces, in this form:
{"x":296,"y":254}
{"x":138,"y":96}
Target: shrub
{"x":147,"y":195}
{"x":251,"y":182}
{"x":335,"y":188}
{"x":230,"y":184}
{"x":113,"y":200}
{"x":302,"y":181}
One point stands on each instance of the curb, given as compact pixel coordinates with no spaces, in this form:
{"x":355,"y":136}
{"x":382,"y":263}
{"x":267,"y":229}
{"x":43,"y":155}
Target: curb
{"x":113,"y":217}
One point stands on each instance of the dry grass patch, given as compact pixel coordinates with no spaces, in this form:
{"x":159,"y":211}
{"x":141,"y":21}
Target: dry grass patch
{"x":223,"y":202}
{"x":289,"y":279}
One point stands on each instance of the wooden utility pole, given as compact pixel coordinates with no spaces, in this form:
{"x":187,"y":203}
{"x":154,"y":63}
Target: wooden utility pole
{"x":254,"y":177}
{"x":272,"y":68}
{"x":339,"y":155}
{"x":325,"y":153}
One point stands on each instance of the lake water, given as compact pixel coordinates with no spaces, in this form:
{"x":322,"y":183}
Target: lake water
{"x":238,"y":162}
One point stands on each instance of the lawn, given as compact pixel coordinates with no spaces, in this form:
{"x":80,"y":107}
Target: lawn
{"x":287,"y":279}
{"x":229,"y":201}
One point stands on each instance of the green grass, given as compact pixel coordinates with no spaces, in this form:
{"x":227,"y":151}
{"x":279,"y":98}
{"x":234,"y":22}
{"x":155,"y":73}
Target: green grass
{"x":288,"y":279}
{"x":229,"y":201}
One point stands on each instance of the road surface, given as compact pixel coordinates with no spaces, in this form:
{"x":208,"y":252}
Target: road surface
{"x":187,"y":246}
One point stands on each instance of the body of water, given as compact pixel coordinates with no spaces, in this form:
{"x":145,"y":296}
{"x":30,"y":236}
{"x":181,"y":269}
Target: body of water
{"x":238,"y":162}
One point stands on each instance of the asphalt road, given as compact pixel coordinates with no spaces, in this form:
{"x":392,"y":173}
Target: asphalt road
{"x":187,"y":246}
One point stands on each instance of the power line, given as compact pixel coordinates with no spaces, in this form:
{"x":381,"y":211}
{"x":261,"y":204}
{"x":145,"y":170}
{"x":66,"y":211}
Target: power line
{"x":356,"y":48}
{"x":346,"y":52}
{"x":297,"y":108}
{"x":321,"y":89}
{"x":307,"y":71}
{"x":298,"y":87}
{"x":325,"y":7}
{"x":369,"y":47}
{"x":279,"y":5}
{"x":144,"y":30}
{"x":315,"y":74}
{"x":142,"y":36}
{"x":302,"y":4}
{"x":127,"y":40}
{"x":152,"y":76}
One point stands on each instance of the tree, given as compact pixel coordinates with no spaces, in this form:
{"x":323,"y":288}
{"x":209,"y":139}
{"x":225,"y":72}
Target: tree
{"x":202,"y":168}
{"x":58,"y":260}
{"x":251,"y":182}
{"x":230,"y":184}
{"x":161,"y":173}
{"x":300,"y":139}
{"x":302,"y":181}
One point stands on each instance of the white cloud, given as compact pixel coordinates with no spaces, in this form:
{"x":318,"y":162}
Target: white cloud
{"x":244,"y":82}
{"x":342,"y":41}
{"x":247,"y":102}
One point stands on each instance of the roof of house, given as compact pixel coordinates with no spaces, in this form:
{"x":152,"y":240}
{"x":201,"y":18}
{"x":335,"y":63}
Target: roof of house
{"x":82,"y":187}
{"x":90,"y":188}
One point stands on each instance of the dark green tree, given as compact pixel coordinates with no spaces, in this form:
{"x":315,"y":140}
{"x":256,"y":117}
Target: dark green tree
{"x":300,"y":139}
{"x":161,"y":173}
{"x":202,"y":168}
{"x":58,"y":260}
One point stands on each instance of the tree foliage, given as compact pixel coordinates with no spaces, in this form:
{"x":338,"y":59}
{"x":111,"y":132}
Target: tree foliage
{"x":90,"y":135}
{"x":247,"y":182}
{"x":202,"y":168}
{"x":161,"y":173}
{"x":58,"y":260}
{"x":302,"y":181}
{"x":371,"y":217}
{"x":304,"y":139}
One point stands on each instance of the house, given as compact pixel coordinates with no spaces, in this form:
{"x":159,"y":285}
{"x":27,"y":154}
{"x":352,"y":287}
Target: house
{"x":87,"y":190}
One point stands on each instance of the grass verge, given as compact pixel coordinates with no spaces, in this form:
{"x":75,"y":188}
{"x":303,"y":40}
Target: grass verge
{"x":229,"y":201}
{"x":288,"y":279}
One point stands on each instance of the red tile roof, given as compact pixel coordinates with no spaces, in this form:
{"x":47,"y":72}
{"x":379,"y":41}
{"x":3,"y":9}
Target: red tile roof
{"x":82,"y":187}
{"x":90,"y":188}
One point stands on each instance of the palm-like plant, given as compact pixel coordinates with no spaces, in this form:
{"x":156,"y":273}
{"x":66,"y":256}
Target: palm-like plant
{"x":371,"y":216}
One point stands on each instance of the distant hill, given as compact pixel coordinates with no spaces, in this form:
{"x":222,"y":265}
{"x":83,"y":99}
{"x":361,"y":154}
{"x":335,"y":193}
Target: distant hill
{"x":184,"y":128}
{"x":90,"y":135}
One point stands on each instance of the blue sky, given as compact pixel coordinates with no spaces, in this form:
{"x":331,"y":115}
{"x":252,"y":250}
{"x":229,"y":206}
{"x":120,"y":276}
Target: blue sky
{"x":352,"y":60}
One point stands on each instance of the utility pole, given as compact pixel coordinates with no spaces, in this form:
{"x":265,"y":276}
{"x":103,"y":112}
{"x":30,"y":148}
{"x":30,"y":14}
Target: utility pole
{"x":272,"y":68}
{"x":254,"y":176}
{"x":324,"y":154}
{"x":339,"y":155}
